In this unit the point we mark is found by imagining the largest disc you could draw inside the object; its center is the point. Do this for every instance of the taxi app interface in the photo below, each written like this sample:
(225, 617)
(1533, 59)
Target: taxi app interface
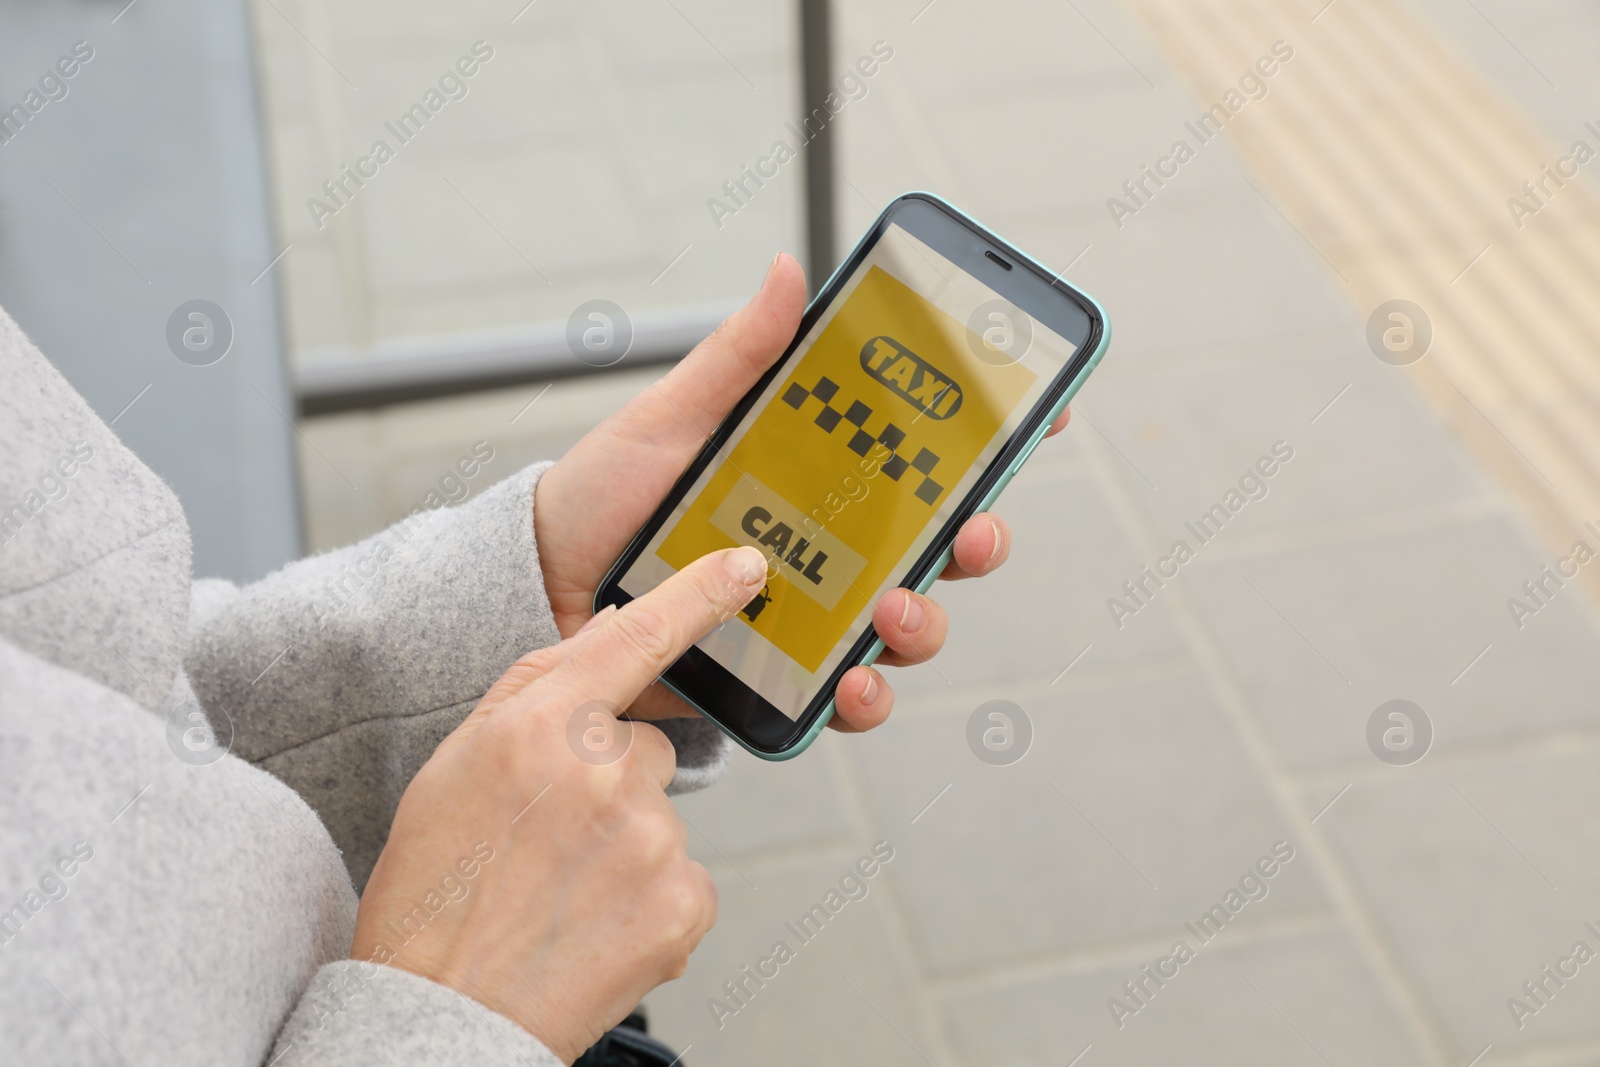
(850, 463)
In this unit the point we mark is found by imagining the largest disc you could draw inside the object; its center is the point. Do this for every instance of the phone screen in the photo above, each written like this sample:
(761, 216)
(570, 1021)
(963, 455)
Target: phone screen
(854, 457)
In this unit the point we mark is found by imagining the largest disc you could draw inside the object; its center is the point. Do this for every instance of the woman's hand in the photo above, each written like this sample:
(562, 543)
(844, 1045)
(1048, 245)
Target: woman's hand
(581, 898)
(600, 493)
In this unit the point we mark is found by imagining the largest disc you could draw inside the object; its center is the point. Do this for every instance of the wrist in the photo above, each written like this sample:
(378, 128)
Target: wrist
(486, 993)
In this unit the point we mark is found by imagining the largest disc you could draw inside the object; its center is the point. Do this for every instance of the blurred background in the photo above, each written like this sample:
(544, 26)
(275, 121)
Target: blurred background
(1357, 237)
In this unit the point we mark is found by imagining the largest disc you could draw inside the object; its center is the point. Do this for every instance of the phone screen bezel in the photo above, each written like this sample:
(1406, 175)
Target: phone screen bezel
(713, 689)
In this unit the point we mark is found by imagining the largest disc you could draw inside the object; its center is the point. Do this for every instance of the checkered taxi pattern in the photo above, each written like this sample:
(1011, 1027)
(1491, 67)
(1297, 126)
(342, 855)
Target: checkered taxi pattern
(891, 436)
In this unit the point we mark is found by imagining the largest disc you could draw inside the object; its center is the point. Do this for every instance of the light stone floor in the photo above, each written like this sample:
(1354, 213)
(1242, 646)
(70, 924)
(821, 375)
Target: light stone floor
(1228, 714)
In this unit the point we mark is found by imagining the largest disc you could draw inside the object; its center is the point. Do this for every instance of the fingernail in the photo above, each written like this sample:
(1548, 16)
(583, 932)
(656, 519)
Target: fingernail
(595, 620)
(746, 565)
(995, 551)
(912, 617)
(869, 695)
(770, 267)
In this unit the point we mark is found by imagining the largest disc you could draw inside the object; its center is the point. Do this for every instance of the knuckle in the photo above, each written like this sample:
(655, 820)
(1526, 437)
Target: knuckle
(649, 745)
(643, 832)
(596, 789)
(647, 633)
(529, 669)
(690, 899)
(540, 659)
(656, 836)
(602, 786)
(713, 899)
(699, 897)
(681, 907)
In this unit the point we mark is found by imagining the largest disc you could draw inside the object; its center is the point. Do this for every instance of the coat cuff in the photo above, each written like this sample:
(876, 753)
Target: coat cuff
(360, 1014)
(703, 753)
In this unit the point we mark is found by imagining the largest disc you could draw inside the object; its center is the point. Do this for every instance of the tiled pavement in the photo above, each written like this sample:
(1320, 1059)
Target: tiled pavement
(1227, 714)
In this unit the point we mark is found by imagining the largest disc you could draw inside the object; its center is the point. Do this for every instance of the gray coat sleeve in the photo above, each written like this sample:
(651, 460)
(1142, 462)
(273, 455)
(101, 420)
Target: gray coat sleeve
(339, 674)
(358, 1014)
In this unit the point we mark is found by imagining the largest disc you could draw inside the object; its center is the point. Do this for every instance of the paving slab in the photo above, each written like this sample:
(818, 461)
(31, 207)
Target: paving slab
(1293, 1000)
(1306, 441)
(1481, 877)
(1326, 634)
(843, 997)
(1133, 812)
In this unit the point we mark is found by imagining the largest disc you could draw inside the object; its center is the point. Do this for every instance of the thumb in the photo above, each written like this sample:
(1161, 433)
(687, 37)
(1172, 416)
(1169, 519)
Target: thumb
(706, 383)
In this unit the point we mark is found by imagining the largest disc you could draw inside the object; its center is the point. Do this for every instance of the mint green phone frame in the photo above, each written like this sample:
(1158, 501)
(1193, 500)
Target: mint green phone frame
(876, 648)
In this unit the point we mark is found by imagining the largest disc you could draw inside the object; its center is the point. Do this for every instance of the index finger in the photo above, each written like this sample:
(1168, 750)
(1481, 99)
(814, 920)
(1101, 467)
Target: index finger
(630, 649)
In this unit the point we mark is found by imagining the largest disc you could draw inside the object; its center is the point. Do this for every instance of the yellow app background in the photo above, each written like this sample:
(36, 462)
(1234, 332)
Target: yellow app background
(892, 399)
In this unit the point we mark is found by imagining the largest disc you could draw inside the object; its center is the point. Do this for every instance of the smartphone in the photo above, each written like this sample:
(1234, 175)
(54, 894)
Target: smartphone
(921, 378)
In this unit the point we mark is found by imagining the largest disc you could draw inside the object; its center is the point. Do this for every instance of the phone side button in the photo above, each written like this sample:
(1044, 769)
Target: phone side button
(1028, 451)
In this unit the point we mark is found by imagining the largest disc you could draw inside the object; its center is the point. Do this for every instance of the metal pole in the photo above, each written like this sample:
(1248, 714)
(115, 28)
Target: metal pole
(816, 64)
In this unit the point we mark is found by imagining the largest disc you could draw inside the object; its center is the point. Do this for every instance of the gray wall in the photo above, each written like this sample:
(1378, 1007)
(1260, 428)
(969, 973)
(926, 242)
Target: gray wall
(144, 188)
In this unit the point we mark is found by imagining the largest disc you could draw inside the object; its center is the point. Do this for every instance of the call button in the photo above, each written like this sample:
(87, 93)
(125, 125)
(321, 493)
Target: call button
(803, 553)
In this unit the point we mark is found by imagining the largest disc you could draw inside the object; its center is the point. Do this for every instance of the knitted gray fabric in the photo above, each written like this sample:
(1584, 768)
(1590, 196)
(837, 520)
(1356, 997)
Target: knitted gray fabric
(158, 909)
